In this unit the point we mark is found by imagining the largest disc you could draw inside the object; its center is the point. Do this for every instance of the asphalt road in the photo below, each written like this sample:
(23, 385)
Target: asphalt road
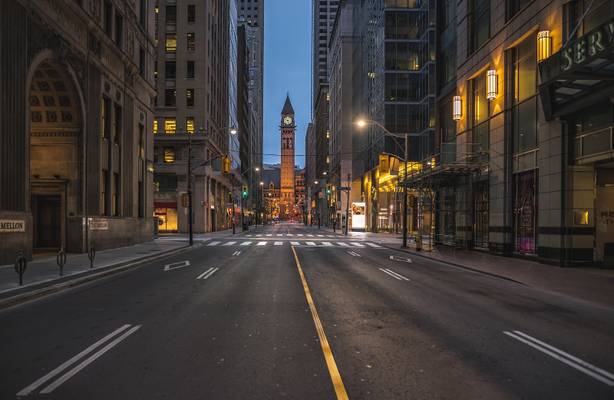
(289, 314)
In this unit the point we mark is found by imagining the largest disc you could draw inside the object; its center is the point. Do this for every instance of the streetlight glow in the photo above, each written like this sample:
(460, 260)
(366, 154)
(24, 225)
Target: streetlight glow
(257, 169)
(233, 131)
(361, 123)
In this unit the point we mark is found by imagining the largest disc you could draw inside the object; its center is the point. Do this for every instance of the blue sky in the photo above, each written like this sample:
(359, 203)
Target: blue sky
(287, 68)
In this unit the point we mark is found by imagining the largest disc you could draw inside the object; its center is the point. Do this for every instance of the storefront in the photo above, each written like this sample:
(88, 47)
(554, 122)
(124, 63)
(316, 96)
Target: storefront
(166, 213)
(525, 212)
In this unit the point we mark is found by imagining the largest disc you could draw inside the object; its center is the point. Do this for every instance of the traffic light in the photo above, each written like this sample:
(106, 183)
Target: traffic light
(328, 189)
(245, 192)
(226, 164)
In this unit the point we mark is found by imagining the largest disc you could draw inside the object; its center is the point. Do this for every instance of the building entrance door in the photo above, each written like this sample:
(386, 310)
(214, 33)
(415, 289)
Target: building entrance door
(604, 221)
(47, 211)
(480, 215)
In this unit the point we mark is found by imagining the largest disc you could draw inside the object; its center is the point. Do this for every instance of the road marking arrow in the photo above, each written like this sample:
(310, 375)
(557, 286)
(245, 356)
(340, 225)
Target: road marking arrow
(177, 265)
(401, 259)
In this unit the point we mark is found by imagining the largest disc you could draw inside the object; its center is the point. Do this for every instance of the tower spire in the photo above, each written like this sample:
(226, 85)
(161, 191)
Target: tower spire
(288, 109)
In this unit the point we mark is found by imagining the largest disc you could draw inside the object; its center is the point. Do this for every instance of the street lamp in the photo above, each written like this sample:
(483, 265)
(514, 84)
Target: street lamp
(361, 123)
(233, 130)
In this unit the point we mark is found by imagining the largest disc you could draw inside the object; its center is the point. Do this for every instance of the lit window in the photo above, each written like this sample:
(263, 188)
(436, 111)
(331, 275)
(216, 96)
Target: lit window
(171, 43)
(169, 155)
(327, 134)
(170, 126)
(155, 126)
(189, 125)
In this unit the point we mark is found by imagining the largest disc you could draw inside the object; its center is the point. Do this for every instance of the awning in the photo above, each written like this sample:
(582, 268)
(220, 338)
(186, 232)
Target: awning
(580, 74)
(442, 175)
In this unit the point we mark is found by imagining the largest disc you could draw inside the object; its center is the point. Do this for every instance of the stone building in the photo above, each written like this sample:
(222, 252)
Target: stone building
(288, 135)
(76, 90)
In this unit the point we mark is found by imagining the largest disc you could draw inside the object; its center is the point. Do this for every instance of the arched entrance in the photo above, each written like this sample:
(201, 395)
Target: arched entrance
(55, 156)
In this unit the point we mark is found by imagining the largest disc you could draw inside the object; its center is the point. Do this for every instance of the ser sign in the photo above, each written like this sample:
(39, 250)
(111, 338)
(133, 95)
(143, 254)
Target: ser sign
(598, 41)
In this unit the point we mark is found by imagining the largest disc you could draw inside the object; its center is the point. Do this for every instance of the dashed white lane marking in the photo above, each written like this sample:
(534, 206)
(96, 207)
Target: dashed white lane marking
(311, 244)
(566, 358)
(261, 244)
(354, 254)
(401, 259)
(89, 360)
(279, 243)
(236, 253)
(207, 274)
(295, 243)
(327, 244)
(177, 265)
(229, 243)
(372, 244)
(39, 382)
(246, 243)
(395, 275)
(356, 244)
(213, 243)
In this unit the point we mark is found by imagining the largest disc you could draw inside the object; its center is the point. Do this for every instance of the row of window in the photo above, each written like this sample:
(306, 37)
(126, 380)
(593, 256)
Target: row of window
(170, 98)
(170, 70)
(170, 125)
(170, 43)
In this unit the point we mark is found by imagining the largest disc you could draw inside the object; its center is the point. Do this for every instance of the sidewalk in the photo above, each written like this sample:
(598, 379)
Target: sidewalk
(43, 270)
(585, 283)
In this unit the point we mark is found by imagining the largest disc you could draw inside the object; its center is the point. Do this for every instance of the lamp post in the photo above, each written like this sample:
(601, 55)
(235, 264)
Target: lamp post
(361, 123)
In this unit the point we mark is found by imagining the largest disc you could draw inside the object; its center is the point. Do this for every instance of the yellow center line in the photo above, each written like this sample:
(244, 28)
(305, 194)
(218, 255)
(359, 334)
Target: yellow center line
(328, 353)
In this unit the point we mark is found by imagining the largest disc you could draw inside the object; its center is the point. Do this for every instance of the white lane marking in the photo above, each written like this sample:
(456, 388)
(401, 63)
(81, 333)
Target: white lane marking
(311, 244)
(177, 265)
(398, 275)
(269, 234)
(300, 235)
(259, 235)
(401, 259)
(236, 253)
(213, 243)
(354, 254)
(245, 235)
(356, 244)
(320, 235)
(89, 360)
(280, 234)
(208, 274)
(289, 234)
(30, 388)
(229, 243)
(246, 243)
(566, 358)
(279, 243)
(295, 243)
(327, 244)
(388, 273)
(261, 243)
(372, 244)
(343, 244)
(204, 273)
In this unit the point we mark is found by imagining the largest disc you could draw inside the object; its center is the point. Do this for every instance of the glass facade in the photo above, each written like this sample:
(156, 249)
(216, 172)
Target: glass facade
(524, 101)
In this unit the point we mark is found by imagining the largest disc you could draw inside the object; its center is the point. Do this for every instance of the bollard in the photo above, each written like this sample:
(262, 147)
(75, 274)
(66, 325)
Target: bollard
(91, 254)
(20, 266)
(61, 260)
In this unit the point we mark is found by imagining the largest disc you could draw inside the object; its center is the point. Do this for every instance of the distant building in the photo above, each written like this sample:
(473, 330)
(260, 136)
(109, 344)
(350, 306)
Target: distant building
(300, 194)
(288, 134)
(271, 190)
(75, 125)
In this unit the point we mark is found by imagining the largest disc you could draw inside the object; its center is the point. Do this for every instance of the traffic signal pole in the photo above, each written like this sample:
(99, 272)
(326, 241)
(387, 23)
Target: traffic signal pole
(190, 211)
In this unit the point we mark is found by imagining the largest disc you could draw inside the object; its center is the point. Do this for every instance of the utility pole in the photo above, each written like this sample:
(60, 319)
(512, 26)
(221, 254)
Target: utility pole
(190, 216)
(405, 198)
(347, 206)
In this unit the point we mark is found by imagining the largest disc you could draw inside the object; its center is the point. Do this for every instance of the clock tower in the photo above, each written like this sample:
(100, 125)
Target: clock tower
(288, 129)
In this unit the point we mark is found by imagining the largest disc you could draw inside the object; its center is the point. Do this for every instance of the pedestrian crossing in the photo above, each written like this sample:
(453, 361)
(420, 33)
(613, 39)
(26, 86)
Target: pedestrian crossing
(296, 243)
(294, 235)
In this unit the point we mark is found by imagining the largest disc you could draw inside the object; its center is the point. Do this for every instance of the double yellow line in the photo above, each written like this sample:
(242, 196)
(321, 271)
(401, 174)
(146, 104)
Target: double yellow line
(328, 353)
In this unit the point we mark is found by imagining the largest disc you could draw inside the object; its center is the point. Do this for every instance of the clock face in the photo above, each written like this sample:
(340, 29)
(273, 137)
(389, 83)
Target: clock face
(288, 120)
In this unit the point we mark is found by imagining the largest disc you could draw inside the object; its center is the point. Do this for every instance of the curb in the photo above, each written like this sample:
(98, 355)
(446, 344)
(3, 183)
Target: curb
(83, 277)
(457, 265)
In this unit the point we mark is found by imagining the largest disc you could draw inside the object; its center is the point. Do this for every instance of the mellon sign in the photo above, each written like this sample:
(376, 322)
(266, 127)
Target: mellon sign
(12, 226)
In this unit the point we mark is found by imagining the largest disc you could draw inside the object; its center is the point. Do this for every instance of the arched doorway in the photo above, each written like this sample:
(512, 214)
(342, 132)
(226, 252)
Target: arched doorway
(55, 156)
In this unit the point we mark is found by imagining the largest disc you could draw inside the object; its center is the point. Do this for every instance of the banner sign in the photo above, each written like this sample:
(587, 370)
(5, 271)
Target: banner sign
(12, 225)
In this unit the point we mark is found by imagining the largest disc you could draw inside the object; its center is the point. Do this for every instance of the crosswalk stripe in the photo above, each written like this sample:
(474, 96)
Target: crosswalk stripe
(310, 235)
(327, 243)
(269, 234)
(372, 244)
(229, 243)
(214, 243)
(279, 243)
(320, 235)
(300, 234)
(246, 243)
(249, 235)
(343, 244)
(289, 234)
(259, 235)
(261, 244)
(295, 243)
(311, 244)
(279, 234)
(357, 244)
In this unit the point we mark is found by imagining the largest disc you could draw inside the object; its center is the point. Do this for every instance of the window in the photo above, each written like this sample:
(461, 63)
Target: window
(169, 155)
(171, 18)
(142, 62)
(189, 97)
(191, 13)
(480, 117)
(600, 11)
(155, 126)
(116, 195)
(143, 13)
(170, 97)
(117, 126)
(170, 126)
(171, 43)
(479, 24)
(105, 115)
(513, 6)
(104, 184)
(191, 41)
(119, 30)
(189, 125)
(524, 101)
(107, 18)
(170, 70)
(189, 71)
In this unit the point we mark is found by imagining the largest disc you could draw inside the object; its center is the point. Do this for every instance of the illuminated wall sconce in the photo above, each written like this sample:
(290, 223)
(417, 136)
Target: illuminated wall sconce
(457, 108)
(544, 45)
(491, 84)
